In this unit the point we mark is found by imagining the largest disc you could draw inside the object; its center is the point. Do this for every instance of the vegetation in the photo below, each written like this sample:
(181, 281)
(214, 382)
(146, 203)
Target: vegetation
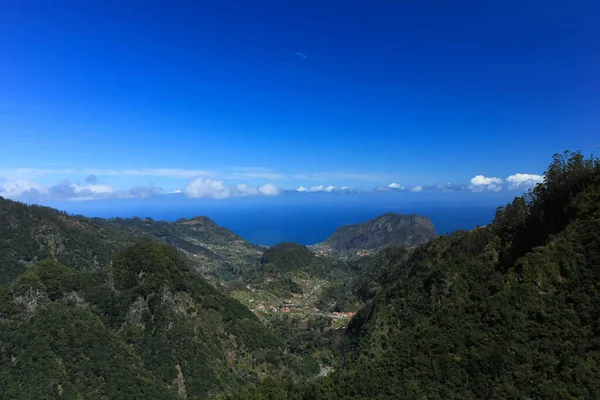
(216, 252)
(387, 230)
(503, 311)
(285, 257)
(283, 287)
(509, 310)
(146, 327)
(29, 234)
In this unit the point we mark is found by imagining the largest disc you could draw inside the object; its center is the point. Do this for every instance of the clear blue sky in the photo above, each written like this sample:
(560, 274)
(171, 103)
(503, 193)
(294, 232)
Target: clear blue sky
(99, 97)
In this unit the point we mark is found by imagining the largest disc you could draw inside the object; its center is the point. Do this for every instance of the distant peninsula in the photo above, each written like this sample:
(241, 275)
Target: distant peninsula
(389, 229)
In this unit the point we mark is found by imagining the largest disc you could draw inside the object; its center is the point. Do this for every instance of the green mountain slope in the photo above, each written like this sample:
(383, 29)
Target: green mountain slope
(147, 327)
(376, 234)
(285, 257)
(30, 233)
(509, 310)
(505, 311)
(216, 252)
(289, 273)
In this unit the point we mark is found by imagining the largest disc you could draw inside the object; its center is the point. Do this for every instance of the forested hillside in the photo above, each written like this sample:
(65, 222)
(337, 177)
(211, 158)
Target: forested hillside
(215, 252)
(509, 310)
(30, 233)
(369, 237)
(146, 327)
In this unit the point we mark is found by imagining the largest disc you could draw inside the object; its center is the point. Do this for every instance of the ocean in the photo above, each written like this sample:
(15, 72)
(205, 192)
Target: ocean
(314, 224)
(269, 221)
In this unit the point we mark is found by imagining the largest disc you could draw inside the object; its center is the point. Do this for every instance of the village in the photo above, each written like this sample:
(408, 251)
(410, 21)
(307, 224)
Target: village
(264, 303)
(324, 250)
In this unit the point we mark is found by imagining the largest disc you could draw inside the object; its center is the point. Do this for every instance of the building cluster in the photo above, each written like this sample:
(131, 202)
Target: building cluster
(340, 315)
(299, 303)
(362, 253)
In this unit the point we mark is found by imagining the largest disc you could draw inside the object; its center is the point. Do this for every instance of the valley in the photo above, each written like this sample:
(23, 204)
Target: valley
(265, 302)
(137, 308)
(299, 200)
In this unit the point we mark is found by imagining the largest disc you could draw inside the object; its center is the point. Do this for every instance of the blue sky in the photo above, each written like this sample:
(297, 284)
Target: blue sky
(221, 99)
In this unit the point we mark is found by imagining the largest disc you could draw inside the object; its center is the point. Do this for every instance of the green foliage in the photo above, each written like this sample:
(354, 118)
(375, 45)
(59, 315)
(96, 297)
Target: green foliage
(49, 277)
(337, 296)
(283, 287)
(67, 352)
(505, 311)
(509, 310)
(214, 251)
(286, 257)
(388, 229)
(147, 266)
(362, 278)
(147, 327)
(29, 234)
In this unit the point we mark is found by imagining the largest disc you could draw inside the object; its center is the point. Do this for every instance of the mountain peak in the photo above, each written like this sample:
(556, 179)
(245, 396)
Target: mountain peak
(387, 229)
(198, 220)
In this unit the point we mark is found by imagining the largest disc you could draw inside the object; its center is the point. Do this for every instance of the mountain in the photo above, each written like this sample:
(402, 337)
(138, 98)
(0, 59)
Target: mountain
(290, 273)
(509, 310)
(371, 236)
(30, 233)
(215, 252)
(147, 326)
(285, 257)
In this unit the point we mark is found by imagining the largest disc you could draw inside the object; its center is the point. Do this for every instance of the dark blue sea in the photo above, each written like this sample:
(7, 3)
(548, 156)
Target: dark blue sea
(306, 221)
(314, 224)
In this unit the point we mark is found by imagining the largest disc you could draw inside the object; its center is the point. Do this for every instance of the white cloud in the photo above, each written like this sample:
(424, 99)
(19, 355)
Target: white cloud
(396, 186)
(450, 187)
(203, 185)
(31, 191)
(208, 188)
(480, 183)
(522, 180)
(301, 55)
(140, 192)
(314, 189)
(269, 189)
(74, 192)
(95, 189)
(17, 189)
(217, 189)
(66, 190)
(243, 190)
(482, 180)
